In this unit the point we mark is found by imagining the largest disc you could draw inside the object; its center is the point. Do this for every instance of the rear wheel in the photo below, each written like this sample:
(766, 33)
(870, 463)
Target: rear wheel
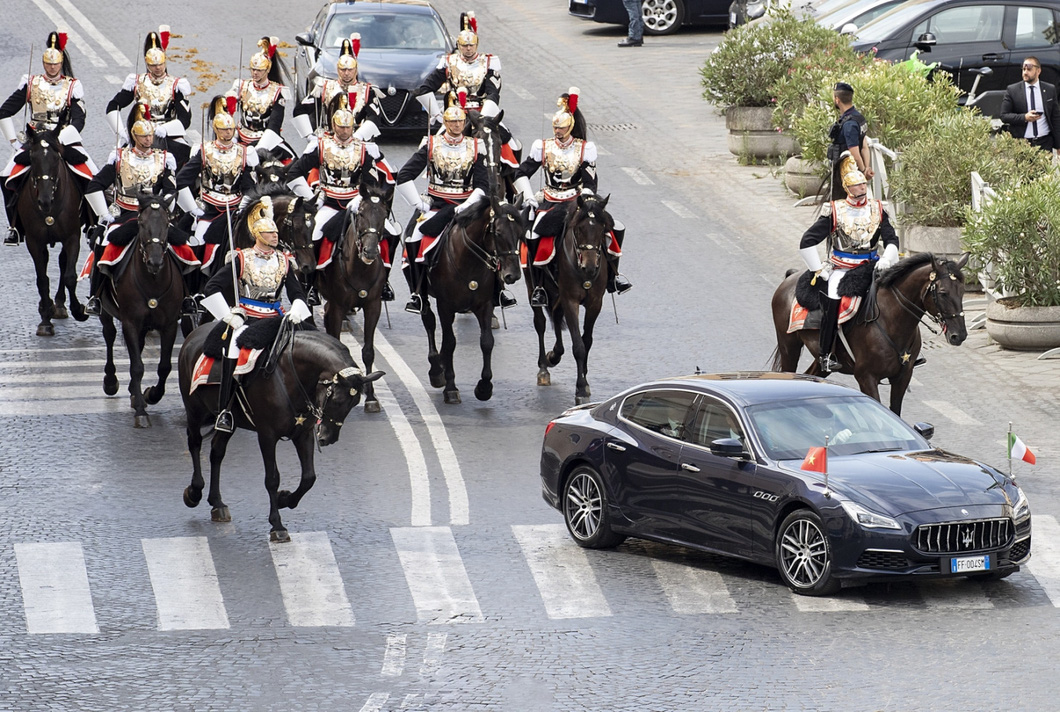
(663, 17)
(803, 556)
(585, 510)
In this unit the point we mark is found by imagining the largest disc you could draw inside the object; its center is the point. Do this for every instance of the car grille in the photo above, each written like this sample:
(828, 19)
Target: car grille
(1020, 550)
(401, 111)
(957, 537)
(885, 560)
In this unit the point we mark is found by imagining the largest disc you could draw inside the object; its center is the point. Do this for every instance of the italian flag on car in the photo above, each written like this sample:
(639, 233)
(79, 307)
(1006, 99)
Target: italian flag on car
(1019, 451)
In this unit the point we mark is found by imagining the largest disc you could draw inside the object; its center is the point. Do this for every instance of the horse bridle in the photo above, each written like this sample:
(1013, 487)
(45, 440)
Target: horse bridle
(932, 290)
(143, 245)
(580, 248)
(48, 179)
(491, 259)
(288, 223)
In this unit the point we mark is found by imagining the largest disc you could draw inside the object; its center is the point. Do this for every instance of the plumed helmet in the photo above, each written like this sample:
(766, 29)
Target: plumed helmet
(848, 169)
(155, 46)
(349, 51)
(260, 217)
(221, 110)
(262, 59)
(568, 114)
(341, 109)
(55, 48)
(455, 100)
(468, 29)
(142, 125)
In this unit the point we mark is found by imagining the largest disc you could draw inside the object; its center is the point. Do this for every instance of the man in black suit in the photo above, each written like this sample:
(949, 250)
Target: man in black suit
(1030, 108)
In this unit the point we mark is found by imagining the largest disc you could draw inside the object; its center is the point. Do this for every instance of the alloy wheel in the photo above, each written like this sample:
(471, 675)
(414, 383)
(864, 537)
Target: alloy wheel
(583, 506)
(660, 15)
(804, 553)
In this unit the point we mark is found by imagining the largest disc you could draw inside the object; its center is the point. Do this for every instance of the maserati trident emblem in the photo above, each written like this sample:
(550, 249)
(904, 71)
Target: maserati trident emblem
(967, 537)
(964, 512)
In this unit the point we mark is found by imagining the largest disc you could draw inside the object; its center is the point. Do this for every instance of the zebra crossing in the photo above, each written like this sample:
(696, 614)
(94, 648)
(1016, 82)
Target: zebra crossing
(569, 582)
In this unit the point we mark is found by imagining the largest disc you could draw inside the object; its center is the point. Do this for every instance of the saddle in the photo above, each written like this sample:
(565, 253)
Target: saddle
(262, 337)
(857, 294)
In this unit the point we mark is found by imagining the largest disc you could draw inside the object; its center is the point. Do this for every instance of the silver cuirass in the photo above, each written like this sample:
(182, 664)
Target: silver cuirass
(561, 165)
(138, 173)
(462, 73)
(262, 275)
(159, 96)
(450, 170)
(855, 226)
(47, 100)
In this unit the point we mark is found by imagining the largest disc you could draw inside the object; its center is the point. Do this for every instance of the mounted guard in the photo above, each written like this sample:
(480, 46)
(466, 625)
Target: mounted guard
(261, 102)
(56, 102)
(569, 162)
(166, 95)
(313, 113)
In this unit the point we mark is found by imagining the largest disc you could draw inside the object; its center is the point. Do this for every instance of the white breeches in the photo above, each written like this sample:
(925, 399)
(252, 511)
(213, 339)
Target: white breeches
(324, 213)
(231, 350)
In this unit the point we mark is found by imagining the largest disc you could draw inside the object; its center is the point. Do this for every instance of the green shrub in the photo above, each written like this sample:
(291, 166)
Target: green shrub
(810, 73)
(933, 177)
(1019, 233)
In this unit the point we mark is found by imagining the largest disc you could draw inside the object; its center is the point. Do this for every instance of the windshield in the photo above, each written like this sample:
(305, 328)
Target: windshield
(383, 31)
(852, 424)
(889, 23)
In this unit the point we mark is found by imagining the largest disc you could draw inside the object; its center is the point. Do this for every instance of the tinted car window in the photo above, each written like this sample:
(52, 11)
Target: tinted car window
(381, 31)
(1034, 25)
(867, 17)
(663, 412)
(958, 25)
(714, 421)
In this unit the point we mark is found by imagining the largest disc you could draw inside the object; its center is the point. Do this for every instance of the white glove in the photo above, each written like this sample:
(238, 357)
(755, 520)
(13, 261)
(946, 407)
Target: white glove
(299, 312)
(196, 212)
(366, 131)
(234, 319)
(476, 195)
(888, 259)
(106, 218)
(522, 185)
(425, 206)
(187, 203)
(842, 436)
(532, 202)
(826, 271)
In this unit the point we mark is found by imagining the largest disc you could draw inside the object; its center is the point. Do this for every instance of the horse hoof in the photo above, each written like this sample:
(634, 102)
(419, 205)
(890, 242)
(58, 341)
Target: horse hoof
(153, 395)
(142, 421)
(192, 497)
(220, 514)
(544, 378)
(494, 323)
(371, 406)
(437, 379)
(484, 390)
(59, 312)
(279, 536)
(110, 385)
(452, 397)
(552, 358)
(45, 330)
(581, 400)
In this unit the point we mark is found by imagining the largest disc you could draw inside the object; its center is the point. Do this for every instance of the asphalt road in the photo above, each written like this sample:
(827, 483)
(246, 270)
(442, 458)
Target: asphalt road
(426, 573)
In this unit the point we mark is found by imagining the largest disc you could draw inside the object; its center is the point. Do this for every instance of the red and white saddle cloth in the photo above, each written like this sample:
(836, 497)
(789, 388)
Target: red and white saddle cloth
(207, 370)
(848, 307)
(546, 251)
(327, 253)
(113, 255)
(81, 170)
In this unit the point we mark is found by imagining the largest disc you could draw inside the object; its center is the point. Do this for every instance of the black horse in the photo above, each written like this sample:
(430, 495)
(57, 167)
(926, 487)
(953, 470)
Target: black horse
(480, 248)
(576, 278)
(355, 278)
(146, 296)
(306, 398)
(50, 208)
(883, 345)
(501, 175)
(270, 169)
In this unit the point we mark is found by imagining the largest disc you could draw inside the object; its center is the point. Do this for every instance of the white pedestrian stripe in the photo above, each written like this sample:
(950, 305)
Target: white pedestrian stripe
(519, 92)
(952, 412)
(680, 210)
(183, 577)
(111, 79)
(828, 604)
(394, 655)
(310, 582)
(375, 702)
(690, 589)
(432, 657)
(75, 39)
(562, 572)
(437, 580)
(637, 175)
(120, 59)
(1045, 555)
(55, 592)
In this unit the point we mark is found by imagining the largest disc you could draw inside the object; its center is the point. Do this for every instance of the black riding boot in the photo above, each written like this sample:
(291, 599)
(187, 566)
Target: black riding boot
(13, 237)
(414, 276)
(829, 327)
(393, 243)
(93, 306)
(189, 306)
(538, 297)
(225, 421)
(312, 296)
(616, 281)
(501, 297)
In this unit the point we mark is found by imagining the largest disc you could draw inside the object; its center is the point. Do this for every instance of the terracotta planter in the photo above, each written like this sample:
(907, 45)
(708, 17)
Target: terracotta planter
(751, 133)
(803, 177)
(1023, 328)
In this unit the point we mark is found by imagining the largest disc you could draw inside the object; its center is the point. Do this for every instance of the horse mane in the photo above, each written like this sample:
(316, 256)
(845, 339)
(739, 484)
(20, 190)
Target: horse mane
(475, 212)
(326, 346)
(261, 189)
(894, 274)
(590, 202)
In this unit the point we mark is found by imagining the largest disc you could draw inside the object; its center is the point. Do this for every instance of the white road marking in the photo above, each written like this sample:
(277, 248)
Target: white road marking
(375, 702)
(79, 392)
(830, 604)
(77, 406)
(952, 412)
(55, 592)
(310, 583)
(600, 151)
(437, 580)
(111, 79)
(394, 655)
(520, 92)
(1045, 555)
(680, 210)
(184, 580)
(432, 656)
(561, 571)
(637, 175)
(454, 479)
(693, 590)
(409, 700)
(120, 59)
(65, 363)
(78, 41)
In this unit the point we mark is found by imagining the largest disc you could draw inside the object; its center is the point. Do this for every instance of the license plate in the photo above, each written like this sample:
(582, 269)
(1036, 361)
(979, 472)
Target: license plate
(968, 564)
(732, 19)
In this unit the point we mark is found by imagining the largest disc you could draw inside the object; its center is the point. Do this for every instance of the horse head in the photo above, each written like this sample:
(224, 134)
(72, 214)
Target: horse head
(296, 235)
(153, 237)
(589, 227)
(487, 130)
(270, 169)
(509, 225)
(946, 291)
(336, 397)
(369, 222)
(46, 164)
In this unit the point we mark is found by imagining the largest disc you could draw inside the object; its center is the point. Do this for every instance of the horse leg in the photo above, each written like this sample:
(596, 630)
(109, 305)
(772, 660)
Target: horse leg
(451, 392)
(193, 492)
(134, 344)
(900, 384)
(333, 318)
(267, 444)
(371, 321)
(165, 364)
(218, 446)
(429, 324)
(484, 388)
(39, 253)
(303, 444)
(869, 384)
(110, 332)
(556, 354)
(59, 300)
(789, 350)
(544, 378)
(581, 340)
(69, 278)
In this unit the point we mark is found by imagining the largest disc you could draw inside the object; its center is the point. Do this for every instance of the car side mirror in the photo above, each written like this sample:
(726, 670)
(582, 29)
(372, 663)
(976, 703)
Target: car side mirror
(848, 29)
(925, 42)
(305, 39)
(729, 447)
(925, 430)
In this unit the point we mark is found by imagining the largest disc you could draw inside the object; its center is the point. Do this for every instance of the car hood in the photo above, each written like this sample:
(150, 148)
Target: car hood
(402, 69)
(899, 483)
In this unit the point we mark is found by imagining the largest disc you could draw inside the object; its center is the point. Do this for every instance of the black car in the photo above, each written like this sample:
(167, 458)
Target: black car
(964, 35)
(401, 43)
(715, 462)
(661, 17)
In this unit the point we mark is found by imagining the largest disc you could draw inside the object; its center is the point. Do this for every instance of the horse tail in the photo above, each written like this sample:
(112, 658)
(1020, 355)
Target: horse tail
(790, 272)
(775, 356)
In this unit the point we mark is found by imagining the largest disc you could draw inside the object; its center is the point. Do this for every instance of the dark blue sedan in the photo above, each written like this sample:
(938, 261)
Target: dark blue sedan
(661, 17)
(715, 462)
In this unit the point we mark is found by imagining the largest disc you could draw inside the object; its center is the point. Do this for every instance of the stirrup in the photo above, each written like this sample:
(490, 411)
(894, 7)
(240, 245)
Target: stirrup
(414, 305)
(920, 361)
(538, 298)
(620, 284)
(388, 292)
(225, 423)
(189, 307)
(828, 363)
(93, 307)
(312, 298)
(506, 299)
(13, 238)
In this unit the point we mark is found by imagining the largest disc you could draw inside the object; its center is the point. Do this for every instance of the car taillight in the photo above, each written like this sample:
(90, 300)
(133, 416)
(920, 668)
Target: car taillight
(549, 426)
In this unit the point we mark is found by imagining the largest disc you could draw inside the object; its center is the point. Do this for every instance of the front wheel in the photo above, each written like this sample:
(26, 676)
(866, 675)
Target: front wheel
(803, 556)
(585, 510)
(663, 17)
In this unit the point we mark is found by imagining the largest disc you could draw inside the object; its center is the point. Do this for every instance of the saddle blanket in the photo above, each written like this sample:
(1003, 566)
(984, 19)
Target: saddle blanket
(800, 315)
(113, 255)
(546, 251)
(207, 371)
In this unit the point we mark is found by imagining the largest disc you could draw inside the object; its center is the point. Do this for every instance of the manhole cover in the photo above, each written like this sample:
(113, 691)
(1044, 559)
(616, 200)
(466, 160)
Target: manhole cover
(612, 127)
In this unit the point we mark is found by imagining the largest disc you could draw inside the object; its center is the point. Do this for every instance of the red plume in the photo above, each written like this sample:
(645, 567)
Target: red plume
(352, 97)
(163, 36)
(572, 99)
(272, 47)
(62, 41)
(472, 22)
(461, 96)
(355, 42)
(230, 104)
(145, 111)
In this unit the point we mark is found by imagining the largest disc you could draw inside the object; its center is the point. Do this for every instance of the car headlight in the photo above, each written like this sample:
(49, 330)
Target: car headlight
(867, 519)
(1022, 509)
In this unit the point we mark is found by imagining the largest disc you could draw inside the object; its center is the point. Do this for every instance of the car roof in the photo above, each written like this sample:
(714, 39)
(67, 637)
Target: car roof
(397, 6)
(753, 387)
(897, 17)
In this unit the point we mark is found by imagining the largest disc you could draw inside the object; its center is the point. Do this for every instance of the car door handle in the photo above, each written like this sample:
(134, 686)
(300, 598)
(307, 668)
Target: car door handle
(616, 446)
(991, 57)
(690, 468)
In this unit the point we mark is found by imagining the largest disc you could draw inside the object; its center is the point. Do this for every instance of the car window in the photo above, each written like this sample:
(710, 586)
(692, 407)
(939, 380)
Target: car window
(382, 31)
(867, 17)
(662, 412)
(958, 25)
(714, 421)
(1034, 27)
(851, 424)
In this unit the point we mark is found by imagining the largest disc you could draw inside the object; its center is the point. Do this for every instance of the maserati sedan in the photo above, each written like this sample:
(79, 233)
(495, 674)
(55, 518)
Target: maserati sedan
(787, 470)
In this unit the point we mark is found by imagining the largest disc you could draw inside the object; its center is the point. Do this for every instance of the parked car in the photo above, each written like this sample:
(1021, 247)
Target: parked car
(852, 14)
(715, 462)
(401, 43)
(661, 17)
(969, 34)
